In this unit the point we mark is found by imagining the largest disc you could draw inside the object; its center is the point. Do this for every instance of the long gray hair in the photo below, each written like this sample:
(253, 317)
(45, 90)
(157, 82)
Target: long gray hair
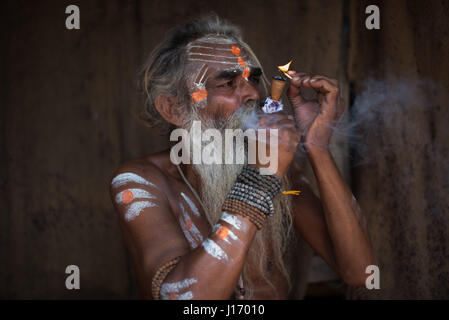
(165, 70)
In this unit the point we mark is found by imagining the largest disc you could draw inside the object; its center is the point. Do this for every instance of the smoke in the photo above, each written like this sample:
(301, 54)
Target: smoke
(388, 114)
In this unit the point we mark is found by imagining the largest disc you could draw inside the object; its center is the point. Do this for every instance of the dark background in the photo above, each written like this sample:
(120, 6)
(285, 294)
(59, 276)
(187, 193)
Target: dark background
(67, 99)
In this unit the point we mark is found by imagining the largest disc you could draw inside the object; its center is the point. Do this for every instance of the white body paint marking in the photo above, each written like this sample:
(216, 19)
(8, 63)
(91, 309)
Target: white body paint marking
(230, 234)
(186, 296)
(128, 177)
(137, 194)
(176, 287)
(136, 207)
(187, 234)
(200, 84)
(213, 61)
(191, 204)
(193, 231)
(233, 221)
(214, 250)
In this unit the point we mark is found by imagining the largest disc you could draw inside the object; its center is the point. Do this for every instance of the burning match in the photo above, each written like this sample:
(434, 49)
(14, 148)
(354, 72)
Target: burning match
(285, 68)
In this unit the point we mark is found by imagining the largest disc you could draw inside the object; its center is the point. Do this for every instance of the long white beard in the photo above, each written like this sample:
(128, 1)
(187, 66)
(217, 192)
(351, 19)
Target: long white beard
(216, 182)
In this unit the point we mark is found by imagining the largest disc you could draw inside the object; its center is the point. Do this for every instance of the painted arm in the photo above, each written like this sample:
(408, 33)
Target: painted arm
(153, 236)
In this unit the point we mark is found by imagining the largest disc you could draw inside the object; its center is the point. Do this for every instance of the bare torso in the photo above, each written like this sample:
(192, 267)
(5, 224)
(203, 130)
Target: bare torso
(173, 188)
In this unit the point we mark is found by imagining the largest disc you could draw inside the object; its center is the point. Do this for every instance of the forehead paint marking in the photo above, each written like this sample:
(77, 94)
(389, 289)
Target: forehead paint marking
(171, 290)
(233, 221)
(189, 227)
(199, 95)
(241, 62)
(128, 177)
(235, 50)
(191, 204)
(199, 83)
(214, 250)
(194, 54)
(206, 47)
(136, 207)
(213, 61)
(246, 73)
(128, 195)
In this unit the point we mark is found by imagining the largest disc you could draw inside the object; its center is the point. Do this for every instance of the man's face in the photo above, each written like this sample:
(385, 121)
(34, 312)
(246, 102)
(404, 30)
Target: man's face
(223, 77)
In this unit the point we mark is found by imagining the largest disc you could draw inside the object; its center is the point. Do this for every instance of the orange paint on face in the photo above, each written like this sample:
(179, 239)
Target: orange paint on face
(222, 232)
(127, 196)
(245, 73)
(235, 51)
(199, 95)
(241, 62)
(188, 224)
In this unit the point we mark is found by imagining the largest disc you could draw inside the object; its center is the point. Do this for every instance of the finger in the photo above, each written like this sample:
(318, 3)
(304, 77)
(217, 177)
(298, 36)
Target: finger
(294, 90)
(323, 85)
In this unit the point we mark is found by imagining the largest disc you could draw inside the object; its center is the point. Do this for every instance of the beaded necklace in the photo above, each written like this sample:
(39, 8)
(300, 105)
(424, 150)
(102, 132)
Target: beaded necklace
(240, 292)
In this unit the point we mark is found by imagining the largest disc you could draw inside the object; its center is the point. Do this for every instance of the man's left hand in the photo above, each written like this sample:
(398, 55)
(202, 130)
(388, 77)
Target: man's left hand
(315, 118)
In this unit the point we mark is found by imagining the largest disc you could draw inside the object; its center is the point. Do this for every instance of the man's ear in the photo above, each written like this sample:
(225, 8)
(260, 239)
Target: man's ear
(168, 108)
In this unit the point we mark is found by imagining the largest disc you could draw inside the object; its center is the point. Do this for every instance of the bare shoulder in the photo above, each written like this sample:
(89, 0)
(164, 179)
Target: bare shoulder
(148, 170)
(140, 192)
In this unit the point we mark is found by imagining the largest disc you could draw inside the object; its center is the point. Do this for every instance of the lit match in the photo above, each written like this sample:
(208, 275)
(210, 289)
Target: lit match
(285, 68)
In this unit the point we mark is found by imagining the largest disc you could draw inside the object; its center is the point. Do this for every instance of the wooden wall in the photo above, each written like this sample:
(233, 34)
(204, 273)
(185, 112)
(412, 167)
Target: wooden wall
(66, 123)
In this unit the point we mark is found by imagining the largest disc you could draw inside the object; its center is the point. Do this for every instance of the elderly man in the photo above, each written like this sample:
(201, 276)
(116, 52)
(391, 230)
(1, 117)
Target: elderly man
(226, 231)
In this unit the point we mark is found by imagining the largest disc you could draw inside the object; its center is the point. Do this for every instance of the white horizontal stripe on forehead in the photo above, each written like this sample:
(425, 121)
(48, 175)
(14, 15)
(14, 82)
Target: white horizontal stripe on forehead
(137, 194)
(214, 61)
(135, 208)
(213, 55)
(128, 177)
(214, 40)
(207, 47)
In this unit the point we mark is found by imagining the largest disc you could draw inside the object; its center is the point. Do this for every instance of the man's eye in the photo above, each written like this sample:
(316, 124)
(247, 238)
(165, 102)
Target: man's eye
(229, 83)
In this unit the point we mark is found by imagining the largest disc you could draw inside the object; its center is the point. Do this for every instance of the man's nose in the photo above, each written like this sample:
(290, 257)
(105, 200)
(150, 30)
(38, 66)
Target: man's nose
(248, 91)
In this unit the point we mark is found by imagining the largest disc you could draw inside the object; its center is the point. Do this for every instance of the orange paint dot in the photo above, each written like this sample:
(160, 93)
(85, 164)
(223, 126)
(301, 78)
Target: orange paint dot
(188, 224)
(235, 51)
(241, 62)
(222, 232)
(199, 95)
(127, 196)
(245, 73)
(173, 296)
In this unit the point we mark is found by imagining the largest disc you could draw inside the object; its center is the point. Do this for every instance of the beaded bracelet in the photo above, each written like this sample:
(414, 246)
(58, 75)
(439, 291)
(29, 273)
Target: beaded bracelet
(245, 210)
(160, 276)
(255, 189)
